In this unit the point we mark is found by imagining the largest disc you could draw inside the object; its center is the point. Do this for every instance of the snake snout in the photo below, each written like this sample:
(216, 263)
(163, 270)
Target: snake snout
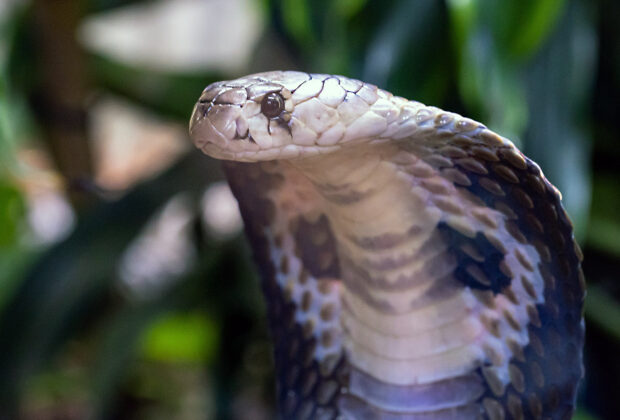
(218, 125)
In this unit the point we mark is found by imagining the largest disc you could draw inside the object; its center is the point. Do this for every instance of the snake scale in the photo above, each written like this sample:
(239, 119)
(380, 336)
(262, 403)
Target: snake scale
(416, 265)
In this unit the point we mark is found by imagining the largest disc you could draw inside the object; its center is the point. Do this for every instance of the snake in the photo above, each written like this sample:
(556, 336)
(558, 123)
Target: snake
(414, 263)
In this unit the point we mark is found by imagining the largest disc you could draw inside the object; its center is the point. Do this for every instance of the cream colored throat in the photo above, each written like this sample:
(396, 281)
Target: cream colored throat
(396, 328)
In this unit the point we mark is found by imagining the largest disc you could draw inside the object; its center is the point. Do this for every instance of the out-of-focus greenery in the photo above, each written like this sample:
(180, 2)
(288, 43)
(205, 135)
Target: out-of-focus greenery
(73, 344)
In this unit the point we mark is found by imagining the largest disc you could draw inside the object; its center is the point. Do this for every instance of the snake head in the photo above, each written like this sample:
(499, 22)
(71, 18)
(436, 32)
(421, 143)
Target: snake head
(287, 115)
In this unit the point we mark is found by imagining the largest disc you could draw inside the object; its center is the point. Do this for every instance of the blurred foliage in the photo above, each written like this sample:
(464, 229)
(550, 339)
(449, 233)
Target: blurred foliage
(169, 94)
(11, 212)
(74, 343)
(181, 338)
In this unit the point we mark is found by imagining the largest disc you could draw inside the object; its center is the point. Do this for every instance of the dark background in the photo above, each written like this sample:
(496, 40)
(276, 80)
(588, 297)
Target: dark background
(125, 295)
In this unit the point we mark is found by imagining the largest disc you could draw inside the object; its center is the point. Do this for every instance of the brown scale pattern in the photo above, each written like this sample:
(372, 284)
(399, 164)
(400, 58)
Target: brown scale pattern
(544, 375)
(306, 389)
(316, 247)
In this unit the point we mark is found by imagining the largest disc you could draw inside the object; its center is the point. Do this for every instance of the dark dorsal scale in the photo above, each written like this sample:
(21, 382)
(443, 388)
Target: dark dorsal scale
(544, 375)
(478, 260)
(316, 247)
(300, 378)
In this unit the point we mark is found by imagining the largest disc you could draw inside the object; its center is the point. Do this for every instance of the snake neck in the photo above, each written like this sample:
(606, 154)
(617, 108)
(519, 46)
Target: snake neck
(375, 209)
(369, 203)
(404, 324)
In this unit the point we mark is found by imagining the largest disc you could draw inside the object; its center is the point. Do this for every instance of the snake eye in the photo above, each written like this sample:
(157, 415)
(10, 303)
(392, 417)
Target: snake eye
(272, 105)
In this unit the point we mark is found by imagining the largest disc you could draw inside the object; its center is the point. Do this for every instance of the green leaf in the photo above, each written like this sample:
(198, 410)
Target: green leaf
(188, 338)
(488, 80)
(462, 20)
(582, 414)
(14, 261)
(348, 8)
(604, 235)
(402, 53)
(12, 109)
(604, 225)
(530, 33)
(491, 88)
(559, 79)
(519, 27)
(297, 20)
(603, 310)
(12, 212)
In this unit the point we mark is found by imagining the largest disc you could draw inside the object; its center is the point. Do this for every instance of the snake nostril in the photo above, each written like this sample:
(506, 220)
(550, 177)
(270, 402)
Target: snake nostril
(201, 109)
(199, 113)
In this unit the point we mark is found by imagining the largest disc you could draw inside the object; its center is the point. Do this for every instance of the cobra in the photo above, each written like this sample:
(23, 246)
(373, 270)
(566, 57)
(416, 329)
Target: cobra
(415, 264)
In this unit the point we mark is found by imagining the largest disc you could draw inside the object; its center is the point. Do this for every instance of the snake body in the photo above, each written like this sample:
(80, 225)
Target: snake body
(416, 265)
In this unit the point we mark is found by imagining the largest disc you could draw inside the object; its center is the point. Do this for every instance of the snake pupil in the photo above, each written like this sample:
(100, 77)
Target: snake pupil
(272, 105)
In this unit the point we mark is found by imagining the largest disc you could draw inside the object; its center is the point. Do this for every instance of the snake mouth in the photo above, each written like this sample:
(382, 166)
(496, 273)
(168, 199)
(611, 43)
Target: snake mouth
(289, 151)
